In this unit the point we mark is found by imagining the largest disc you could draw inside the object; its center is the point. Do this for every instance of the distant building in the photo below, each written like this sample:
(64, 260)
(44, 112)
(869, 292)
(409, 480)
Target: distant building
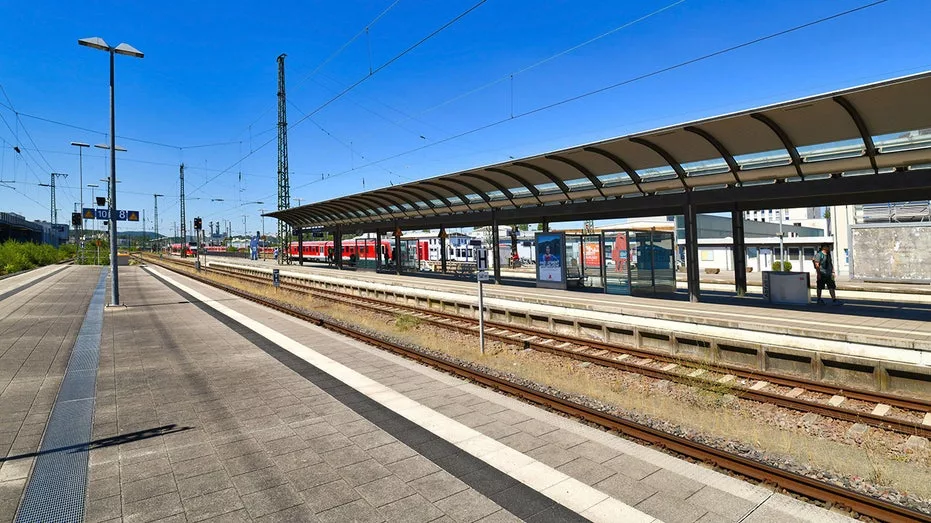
(15, 227)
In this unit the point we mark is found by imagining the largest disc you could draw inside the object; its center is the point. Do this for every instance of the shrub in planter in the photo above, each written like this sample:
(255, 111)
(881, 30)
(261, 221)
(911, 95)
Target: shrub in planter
(709, 270)
(780, 266)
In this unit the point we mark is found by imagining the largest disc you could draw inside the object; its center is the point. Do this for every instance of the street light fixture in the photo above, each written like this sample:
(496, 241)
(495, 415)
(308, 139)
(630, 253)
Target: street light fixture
(119, 148)
(127, 50)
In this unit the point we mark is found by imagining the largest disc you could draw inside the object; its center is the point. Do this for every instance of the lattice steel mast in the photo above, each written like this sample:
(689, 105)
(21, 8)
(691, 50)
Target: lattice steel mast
(284, 186)
(54, 204)
(183, 218)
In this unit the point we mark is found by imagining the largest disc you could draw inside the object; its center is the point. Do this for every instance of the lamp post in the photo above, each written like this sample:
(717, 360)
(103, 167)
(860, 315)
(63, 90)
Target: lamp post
(128, 50)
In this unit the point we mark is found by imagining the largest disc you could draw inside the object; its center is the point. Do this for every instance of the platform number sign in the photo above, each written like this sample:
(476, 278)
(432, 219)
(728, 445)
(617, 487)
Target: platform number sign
(481, 259)
(104, 214)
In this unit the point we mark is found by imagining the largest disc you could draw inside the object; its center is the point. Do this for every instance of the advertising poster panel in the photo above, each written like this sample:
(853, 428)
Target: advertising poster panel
(591, 252)
(619, 252)
(551, 270)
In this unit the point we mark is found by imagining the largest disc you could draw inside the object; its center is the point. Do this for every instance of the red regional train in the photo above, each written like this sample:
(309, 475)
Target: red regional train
(322, 251)
(175, 248)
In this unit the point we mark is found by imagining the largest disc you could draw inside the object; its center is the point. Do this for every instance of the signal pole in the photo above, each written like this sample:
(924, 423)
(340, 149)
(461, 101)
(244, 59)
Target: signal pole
(157, 239)
(284, 186)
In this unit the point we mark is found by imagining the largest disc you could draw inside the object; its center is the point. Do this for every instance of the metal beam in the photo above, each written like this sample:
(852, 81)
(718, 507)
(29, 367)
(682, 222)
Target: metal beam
(725, 154)
(456, 192)
(406, 190)
(861, 126)
(404, 197)
(676, 166)
(480, 193)
(372, 200)
(332, 215)
(784, 138)
(504, 190)
(632, 174)
(430, 192)
(519, 179)
(582, 169)
(550, 176)
(340, 210)
(346, 207)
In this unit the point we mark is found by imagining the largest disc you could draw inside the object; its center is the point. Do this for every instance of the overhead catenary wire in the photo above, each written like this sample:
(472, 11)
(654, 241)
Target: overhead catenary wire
(628, 81)
(510, 76)
(354, 85)
(323, 64)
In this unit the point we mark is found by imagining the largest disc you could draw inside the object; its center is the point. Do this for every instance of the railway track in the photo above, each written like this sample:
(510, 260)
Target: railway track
(880, 410)
(802, 485)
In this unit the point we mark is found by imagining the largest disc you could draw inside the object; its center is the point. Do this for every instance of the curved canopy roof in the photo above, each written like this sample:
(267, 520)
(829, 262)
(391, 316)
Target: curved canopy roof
(867, 130)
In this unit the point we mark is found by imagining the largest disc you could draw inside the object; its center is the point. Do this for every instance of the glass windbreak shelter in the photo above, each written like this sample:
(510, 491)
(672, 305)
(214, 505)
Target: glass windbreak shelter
(409, 261)
(652, 262)
(365, 252)
(584, 261)
(622, 262)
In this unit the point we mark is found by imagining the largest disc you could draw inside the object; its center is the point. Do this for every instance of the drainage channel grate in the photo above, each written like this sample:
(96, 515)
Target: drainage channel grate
(58, 484)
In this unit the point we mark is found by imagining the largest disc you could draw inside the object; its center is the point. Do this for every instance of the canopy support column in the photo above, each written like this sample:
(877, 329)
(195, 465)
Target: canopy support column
(338, 247)
(691, 252)
(740, 251)
(397, 249)
(300, 247)
(377, 249)
(443, 248)
(546, 225)
(495, 257)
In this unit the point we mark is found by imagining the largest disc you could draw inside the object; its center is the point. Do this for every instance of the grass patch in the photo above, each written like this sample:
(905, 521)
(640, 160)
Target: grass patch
(18, 256)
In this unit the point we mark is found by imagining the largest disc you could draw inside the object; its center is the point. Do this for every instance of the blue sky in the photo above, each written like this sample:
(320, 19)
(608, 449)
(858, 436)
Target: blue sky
(205, 93)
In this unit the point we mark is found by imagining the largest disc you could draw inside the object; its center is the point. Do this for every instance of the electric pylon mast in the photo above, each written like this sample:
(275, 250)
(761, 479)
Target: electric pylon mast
(284, 186)
(183, 218)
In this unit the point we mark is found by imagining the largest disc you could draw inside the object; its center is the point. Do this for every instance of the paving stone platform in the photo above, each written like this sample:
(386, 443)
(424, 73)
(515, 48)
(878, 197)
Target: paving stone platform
(198, 419)
(38, 327)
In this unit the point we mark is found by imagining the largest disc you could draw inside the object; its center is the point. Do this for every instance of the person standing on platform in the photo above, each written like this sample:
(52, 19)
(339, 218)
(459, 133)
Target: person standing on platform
(254, 246)
(824, 265)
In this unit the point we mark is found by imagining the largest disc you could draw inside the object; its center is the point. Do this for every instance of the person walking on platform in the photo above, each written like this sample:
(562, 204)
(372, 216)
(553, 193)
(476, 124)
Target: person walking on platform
(824, 265)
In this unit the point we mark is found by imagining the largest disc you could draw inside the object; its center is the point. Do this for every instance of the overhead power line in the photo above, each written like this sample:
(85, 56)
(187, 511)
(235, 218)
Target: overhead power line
(330, 58)
(352, 86)
(614, 86)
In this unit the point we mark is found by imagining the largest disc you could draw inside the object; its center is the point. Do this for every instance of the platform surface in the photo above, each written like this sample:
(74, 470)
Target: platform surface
(211, 408)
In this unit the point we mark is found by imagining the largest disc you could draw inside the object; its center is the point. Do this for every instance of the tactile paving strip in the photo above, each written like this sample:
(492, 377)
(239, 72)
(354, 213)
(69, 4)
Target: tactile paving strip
(58, 483)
